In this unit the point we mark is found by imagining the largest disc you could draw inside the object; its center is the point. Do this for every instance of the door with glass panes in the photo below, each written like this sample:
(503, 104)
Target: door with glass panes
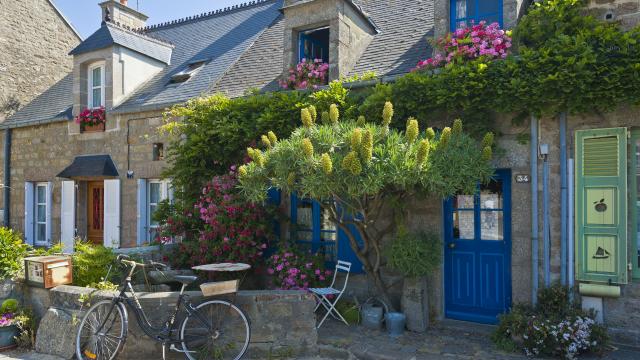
(477, 263)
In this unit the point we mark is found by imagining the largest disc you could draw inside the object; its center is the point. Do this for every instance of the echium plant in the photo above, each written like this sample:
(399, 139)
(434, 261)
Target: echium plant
(358, 169)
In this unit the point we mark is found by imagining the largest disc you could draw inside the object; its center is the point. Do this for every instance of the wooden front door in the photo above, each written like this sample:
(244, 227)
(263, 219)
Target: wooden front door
(95, 211)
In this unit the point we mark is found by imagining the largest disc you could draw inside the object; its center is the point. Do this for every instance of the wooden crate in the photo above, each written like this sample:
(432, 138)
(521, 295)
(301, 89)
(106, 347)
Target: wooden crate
(48, 271)
(219, 288)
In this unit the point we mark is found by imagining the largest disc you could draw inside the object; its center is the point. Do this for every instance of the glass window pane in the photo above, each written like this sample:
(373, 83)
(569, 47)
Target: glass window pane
(328, 236)
(491, 195)
(42, 191)
(152, 211)
(304, 217)
(303, 236)
(326, 222)
(41, 211)
(154, 193)
(96, 76)
(463, 202)
(41, 230)
(491, 225)
(461, 9)
(463, 224)
(96, 99)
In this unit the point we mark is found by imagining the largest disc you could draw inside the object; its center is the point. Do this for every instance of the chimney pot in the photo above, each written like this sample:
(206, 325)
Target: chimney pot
(123, 2)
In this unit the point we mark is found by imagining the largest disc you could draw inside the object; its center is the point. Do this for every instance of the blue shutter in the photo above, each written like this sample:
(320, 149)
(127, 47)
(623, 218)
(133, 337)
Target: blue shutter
(301, 40)
(49, 206)
(28, 212)
(142, 232)
(345, 251)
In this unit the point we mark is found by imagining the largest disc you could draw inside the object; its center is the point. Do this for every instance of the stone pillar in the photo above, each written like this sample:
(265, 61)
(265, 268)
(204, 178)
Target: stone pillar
(415, 304)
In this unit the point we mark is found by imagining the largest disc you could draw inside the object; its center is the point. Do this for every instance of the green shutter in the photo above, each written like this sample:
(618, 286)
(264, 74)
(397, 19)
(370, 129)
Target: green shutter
(601, 205)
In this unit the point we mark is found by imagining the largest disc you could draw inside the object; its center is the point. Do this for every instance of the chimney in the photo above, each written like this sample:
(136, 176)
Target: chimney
(118, 12)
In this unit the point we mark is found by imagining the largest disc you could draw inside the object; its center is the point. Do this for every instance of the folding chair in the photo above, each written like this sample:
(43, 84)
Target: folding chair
(322, 294)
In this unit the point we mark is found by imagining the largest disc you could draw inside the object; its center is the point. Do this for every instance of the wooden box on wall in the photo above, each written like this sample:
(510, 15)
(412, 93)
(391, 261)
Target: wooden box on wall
(48, 271)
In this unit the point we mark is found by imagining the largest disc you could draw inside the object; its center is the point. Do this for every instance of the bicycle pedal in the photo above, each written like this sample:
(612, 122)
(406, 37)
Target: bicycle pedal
(174, 348)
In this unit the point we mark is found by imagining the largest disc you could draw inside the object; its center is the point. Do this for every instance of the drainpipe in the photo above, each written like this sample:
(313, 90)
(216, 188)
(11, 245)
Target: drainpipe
(546, 246)
(7, 177)
(570, 228)
(534, 209)
(563, 198)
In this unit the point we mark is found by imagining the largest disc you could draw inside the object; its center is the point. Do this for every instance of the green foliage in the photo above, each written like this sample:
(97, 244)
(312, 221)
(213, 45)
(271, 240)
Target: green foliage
(9, 306)
(26, 323)
(12, 252)
(415, 254)
(91, 263)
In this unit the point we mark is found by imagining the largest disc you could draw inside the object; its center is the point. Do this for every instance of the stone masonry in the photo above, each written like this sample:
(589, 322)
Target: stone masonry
(32, 57)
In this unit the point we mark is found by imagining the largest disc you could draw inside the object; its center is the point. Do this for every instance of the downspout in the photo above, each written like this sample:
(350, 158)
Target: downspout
(563, 198)
(570, 228)
(546, 247)
(534, 209)
(7, 177)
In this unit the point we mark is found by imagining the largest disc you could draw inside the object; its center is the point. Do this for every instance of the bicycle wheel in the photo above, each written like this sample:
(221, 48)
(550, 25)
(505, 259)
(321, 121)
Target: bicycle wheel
(218, 330)
(101, 334)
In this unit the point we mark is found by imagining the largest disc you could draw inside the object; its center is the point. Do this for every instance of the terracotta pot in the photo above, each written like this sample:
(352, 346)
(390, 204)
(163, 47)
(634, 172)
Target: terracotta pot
(93, 128)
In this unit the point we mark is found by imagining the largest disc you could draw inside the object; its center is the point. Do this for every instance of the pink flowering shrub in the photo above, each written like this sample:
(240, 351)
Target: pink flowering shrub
(480, 41)
(230, 229)
(91, 117)
(306, 75)
(291, 269)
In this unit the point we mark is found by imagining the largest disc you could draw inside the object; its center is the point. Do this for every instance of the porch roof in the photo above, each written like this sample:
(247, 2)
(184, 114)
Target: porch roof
(90, 166)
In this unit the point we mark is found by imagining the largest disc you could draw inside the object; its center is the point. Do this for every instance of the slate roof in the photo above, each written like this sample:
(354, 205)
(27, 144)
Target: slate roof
(110, 34)
(243, 49)
(85, 166)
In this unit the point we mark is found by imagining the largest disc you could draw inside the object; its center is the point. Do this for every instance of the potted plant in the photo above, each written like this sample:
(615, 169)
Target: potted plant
(8, 326)
(92, 120)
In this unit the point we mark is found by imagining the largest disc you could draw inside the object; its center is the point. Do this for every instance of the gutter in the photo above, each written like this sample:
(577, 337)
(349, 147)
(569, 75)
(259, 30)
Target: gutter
(534, 209)
(563, 198)
(7, 177)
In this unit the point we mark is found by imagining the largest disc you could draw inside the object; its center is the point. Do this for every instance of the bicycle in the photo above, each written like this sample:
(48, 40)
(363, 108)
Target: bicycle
(215, 329)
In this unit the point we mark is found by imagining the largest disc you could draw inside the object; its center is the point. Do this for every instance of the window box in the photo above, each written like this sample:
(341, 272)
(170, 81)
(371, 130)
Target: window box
(92, 120)
(93, 128)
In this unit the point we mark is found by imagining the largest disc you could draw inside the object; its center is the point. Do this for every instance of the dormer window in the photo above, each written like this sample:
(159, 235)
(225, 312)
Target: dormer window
(467, 12)
(314, 44)
(96, 86)
(187, 72)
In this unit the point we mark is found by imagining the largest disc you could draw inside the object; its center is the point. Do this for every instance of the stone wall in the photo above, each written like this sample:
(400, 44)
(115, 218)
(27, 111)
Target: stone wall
(128, 139)
(282, 322)
(34, 43)
(626, 12)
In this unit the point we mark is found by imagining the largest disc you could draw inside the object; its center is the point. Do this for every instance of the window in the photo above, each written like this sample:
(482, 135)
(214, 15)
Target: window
(96, 86)
(157, 191)
(467, 12)
(158, 151)
(187, 72)
(314, 44)
(312, 228)
(635, 202)
(40, 211)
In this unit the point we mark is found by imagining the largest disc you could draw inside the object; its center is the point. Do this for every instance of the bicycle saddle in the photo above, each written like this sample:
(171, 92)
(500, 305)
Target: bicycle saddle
(184, 279)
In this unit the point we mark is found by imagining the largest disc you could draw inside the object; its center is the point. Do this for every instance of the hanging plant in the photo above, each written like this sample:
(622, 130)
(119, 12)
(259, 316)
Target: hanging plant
(307, 74)
(91, 117)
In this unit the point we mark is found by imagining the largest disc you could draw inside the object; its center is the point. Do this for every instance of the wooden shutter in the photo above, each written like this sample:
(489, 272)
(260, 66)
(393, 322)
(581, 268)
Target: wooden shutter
(67, 216)
(49, 207)
(601, 205)
(142, 231)
(28, 212)
(112, 213)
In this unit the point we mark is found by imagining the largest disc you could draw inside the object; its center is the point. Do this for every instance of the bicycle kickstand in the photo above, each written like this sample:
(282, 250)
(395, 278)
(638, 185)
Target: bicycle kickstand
(164, 351)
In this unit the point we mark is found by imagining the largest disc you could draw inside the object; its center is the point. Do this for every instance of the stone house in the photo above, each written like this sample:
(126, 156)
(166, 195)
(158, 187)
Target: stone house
(104, 185)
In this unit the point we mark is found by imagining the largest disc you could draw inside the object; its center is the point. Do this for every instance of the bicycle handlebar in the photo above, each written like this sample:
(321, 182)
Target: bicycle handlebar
(126, 260)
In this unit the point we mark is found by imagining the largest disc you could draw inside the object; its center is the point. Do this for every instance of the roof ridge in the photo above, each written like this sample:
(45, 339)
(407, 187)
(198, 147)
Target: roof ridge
(222, 11)
(139, 32)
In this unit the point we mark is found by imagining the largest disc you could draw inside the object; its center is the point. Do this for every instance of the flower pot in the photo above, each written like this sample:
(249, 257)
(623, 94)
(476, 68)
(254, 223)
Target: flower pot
(395, 323)
(7, 336)
(93, 128)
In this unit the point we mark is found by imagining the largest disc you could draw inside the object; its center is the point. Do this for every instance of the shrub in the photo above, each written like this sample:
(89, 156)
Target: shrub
(9, 306)
(12, 252)
(291, 269)
(307, 74)
(414, 254)
(555, 327)
(91, 263)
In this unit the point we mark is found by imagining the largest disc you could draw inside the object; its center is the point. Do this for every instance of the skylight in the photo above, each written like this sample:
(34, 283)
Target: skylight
(186, 73)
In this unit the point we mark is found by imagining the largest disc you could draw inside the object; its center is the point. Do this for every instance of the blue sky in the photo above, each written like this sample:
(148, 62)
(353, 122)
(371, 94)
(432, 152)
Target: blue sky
(85, 14)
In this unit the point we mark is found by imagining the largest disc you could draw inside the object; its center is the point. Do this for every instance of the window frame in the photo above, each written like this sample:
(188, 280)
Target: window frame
(454, 20)
(165, 193)
(319, 242)
(633, 173)
(36, 204)
(91, 87)
(302, 33)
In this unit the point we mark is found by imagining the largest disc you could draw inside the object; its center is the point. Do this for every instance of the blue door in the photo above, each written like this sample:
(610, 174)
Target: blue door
(477, 264)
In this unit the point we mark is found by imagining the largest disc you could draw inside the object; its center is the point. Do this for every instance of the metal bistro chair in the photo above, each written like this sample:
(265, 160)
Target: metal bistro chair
(322, 294)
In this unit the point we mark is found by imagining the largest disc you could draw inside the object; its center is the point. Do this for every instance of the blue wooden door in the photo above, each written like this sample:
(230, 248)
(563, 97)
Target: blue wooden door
(477, 264)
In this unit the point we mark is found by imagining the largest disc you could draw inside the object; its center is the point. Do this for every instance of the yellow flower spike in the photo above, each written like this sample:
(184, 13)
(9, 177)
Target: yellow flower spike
(251, 153)
(387, 113)
(412, 130)
(487, 153)
(430, 133)
(314, 113)
(305, 115)
(488, 139)
(356, 139)
(361, 121)
(366, 148)
(327, 165)
(334, 113)
(351, 163)
(307, 147)
(258, 157)
(291, 178)
(457, 126)
(265, 141)
(482, 67)
(325, 117)
(445, 136)
(242, 171)
(423, 151)
(272, 138)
